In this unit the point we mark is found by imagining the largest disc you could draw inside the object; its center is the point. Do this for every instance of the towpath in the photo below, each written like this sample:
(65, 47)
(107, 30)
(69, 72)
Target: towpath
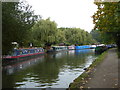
(105, 75)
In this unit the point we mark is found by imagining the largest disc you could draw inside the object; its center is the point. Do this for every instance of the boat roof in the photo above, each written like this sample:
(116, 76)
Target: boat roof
(27, 48)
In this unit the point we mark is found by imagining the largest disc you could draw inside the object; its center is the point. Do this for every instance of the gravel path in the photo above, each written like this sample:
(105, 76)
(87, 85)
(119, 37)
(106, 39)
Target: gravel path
(106, 73)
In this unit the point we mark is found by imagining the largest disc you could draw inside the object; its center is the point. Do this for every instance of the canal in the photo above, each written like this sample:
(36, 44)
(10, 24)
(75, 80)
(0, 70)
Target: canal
(52, 70)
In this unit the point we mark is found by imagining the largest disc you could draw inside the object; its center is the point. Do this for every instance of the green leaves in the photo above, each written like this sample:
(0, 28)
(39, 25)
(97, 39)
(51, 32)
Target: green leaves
(17, 19)
(44, 31)
(76, 36)
(106, 20)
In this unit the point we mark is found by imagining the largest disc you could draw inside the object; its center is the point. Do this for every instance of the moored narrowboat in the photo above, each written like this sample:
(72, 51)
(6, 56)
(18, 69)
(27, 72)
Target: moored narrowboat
(82, 47)
(24, 52)
(100, 49)
(92, 46)
(71, 47)
(59, 48)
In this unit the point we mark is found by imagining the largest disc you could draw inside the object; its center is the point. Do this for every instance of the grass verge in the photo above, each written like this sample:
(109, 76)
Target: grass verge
(82, 79)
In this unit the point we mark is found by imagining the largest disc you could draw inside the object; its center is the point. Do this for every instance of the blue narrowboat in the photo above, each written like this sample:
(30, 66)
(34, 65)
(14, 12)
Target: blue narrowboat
(83, 47)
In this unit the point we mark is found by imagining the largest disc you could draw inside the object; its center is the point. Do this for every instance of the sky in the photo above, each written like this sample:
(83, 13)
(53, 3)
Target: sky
(66, 13)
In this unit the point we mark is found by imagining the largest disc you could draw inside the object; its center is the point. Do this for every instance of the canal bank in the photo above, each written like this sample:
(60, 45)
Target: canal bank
(103, 73)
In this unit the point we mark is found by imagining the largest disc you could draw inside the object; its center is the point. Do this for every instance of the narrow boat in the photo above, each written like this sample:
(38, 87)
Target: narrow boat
(24, 52)
(100, 49)
(92, 46)
(59, 48)
(82, 47)
(71, 47)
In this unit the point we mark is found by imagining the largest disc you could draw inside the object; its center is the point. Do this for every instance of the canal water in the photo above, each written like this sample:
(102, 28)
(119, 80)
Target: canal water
(52, 70)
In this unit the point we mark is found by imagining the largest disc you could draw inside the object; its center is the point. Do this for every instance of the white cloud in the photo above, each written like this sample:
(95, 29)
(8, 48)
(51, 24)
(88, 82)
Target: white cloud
(66, 13)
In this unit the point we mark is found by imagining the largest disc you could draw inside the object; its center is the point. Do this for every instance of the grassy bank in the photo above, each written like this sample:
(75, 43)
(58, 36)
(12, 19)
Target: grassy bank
(82, 79)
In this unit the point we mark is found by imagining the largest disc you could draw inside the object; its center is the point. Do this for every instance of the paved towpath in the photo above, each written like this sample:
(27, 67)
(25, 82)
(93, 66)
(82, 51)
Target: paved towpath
(106, 73)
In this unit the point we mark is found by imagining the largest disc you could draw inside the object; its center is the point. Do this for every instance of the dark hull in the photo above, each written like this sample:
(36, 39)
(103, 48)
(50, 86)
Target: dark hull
(7, 61)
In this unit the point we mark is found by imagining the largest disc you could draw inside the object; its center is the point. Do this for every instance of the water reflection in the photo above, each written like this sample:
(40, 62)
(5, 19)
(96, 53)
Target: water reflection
(10, 69)
(54, 70)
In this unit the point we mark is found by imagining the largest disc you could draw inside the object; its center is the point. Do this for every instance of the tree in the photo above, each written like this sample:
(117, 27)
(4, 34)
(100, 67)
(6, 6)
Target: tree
(96, 35)
(60, 36)
(77, 36)
(44, 31)
(89, 39)
(70, 35)
(106, 20)
(17, 19)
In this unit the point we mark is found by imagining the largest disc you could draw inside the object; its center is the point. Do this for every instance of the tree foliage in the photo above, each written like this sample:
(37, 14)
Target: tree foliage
(76, 36)
(107, 21)
(44, 31)
(96, 36)
(60, 36)
(17, 19)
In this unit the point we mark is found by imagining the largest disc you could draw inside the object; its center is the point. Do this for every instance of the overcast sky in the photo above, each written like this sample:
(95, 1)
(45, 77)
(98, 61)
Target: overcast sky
(66, 13)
